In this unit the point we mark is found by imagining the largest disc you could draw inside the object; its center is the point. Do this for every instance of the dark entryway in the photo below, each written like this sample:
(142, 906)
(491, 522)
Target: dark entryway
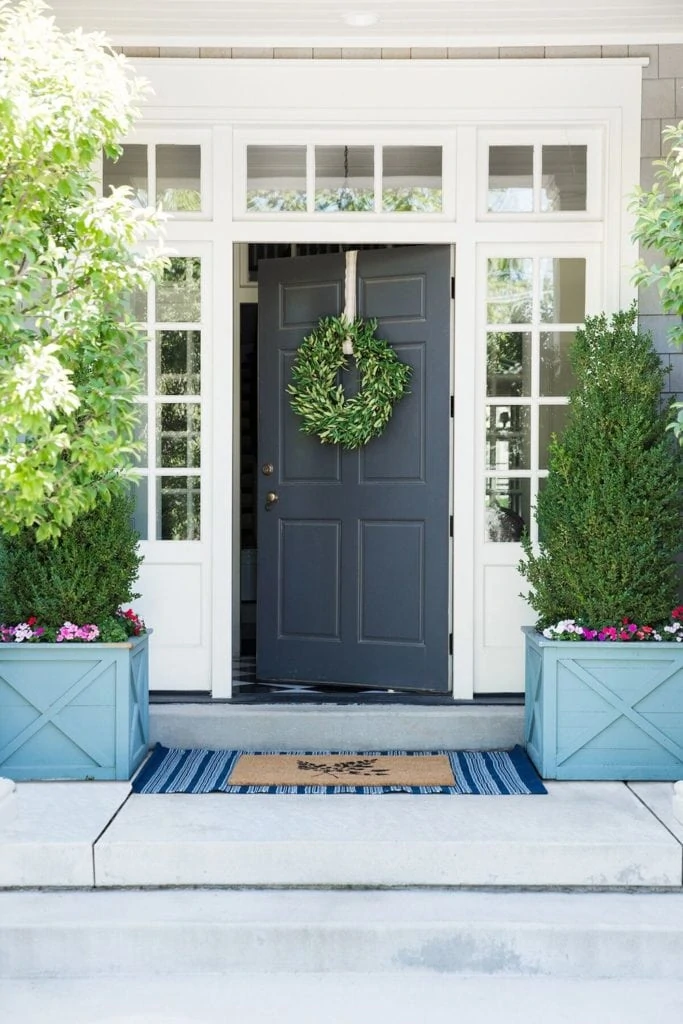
(353, 556)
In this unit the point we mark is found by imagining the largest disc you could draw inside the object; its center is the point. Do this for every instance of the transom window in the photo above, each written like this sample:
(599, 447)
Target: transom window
(169, 176)
(533, 307)
(338, 179)
(549, 174)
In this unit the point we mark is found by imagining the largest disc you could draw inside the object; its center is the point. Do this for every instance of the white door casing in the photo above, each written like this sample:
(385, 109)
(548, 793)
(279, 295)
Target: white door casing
(463, 107)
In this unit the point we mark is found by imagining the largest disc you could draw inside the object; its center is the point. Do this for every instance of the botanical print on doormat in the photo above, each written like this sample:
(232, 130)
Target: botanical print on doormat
(487, 773)
(342, 770)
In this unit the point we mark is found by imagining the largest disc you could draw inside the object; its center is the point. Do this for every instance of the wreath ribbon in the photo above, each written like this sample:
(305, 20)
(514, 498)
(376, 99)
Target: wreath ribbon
(350, 296)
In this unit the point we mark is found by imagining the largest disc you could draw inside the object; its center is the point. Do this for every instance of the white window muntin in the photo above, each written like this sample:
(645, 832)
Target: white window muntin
(592, 254)
(177, 137)
(153, 400)
(535, 136)
(341, 136)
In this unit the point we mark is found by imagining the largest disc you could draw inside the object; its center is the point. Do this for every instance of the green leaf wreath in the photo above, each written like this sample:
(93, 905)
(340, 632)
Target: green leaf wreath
(319, 399)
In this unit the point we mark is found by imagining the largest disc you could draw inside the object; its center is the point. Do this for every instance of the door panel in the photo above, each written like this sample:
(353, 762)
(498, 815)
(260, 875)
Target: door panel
(353, 557)
(383, 576)
(313, 610)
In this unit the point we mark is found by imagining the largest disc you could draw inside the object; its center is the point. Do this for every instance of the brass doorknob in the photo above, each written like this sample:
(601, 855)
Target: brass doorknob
(271, 499)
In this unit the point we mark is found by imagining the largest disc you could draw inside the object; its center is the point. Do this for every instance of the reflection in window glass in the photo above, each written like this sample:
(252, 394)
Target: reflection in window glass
(508, 364)
(563, 291)
(178, 294)
(508, 437)
(564, 178)
(542, 483)
(178, 362)
(141, 496)
(411, 179)
(142, 458)
(131, 170)
(344, 178)
(510, 290)
(178, 435)
(276, 178)
(511, 179)
(556, 375)
(178, 507)
(136, 305)
(552, 419)
(179, 178)
(508, 509)
(143, 376)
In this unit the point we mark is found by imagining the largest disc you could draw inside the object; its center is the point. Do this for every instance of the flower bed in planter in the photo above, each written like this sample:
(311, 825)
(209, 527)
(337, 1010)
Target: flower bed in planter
(604, 710)
(73, 710)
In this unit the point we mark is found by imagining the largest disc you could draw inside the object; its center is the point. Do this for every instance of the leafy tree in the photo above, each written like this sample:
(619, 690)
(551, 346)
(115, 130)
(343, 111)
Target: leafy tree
(70, 355)
(659, 226)
(609, 515)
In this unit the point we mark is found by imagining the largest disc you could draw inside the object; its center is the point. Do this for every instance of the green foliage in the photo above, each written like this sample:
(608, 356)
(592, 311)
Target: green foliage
(262, 200)
(83, 578)
(609, 515)
(412, 199)
(659, 226)
(69, 259)
(319, 399)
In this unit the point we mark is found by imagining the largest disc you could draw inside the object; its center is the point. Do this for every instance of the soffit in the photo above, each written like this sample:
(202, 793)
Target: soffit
(401, 23)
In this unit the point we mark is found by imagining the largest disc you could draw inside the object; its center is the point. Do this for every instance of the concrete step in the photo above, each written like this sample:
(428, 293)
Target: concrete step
(95, 934)
(580, 834)
(337, 998)
(80, 834)
(337, 727)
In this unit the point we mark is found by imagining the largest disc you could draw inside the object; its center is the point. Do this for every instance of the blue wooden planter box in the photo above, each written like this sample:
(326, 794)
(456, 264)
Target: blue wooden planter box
(73, 711)
(604, 710)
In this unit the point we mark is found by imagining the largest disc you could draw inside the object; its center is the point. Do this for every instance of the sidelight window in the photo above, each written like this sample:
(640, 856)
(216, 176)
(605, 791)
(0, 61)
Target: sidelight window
(168, 500)
(533, 307)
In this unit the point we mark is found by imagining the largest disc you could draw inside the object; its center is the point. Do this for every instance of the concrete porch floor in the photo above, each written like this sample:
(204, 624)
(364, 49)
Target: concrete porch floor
(340, 998)
(94, 834)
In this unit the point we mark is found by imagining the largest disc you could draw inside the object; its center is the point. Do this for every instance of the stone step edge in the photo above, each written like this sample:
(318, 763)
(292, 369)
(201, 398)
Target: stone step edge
(336, 726)
(229, 710)
(594, 935)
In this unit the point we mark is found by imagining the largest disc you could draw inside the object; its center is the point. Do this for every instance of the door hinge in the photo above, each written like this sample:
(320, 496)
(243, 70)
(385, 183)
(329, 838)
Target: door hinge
(450, 643)
(452, 287)
(452, 406)
(450, 526)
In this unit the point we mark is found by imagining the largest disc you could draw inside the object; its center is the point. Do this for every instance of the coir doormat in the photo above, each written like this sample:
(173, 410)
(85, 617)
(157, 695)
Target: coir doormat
(455, 772)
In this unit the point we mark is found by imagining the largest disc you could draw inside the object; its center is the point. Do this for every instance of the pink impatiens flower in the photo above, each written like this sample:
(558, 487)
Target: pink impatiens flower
(22, 632)
(70, 631)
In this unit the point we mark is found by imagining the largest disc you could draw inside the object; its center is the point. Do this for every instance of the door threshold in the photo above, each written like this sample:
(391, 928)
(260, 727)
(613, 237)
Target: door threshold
(254, 695)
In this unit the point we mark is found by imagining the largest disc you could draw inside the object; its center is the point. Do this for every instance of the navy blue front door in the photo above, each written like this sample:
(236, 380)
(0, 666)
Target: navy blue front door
(353, 554)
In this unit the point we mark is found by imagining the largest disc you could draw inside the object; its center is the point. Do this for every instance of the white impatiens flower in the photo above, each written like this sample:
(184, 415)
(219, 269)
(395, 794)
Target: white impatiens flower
(561, 628)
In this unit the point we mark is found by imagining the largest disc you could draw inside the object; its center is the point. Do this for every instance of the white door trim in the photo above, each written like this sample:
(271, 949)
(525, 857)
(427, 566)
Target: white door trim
(452, 101)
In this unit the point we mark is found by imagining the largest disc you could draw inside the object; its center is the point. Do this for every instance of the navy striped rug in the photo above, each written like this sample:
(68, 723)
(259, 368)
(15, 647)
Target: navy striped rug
(487, 773)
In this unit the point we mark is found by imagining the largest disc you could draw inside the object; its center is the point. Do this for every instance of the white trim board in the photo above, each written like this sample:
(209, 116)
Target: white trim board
(457, 103)
(393, 23)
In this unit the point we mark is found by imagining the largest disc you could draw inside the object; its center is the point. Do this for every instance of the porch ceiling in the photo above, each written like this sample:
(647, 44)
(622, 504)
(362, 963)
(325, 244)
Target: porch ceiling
(400, 23)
